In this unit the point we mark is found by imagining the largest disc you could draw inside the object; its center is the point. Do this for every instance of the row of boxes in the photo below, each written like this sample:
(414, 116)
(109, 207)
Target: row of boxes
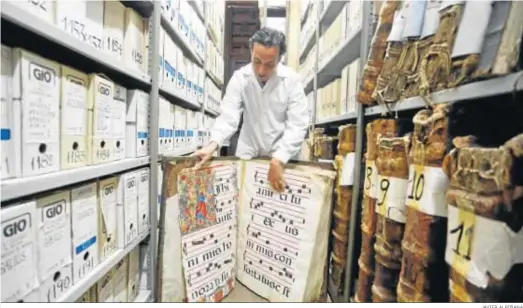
(307, 67)
(214, 96)
(179, 129)
(53, 242)
(57, 118)
(105, 25)
(178, 73)
(214, 61)
(339, 96)
(309, 27)
(120, 285)
(215, 16)
(187, 23)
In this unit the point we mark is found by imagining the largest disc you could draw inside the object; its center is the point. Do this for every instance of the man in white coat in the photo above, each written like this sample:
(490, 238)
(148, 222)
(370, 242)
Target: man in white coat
(275, 109)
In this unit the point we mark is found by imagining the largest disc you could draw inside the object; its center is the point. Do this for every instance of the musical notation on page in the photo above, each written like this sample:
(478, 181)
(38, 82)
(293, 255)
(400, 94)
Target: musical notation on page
(284, 214)
(279, 273)
(289, 243)
(295, 184)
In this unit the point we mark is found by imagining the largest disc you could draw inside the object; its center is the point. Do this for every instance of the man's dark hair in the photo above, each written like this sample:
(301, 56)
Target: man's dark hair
(269, 37)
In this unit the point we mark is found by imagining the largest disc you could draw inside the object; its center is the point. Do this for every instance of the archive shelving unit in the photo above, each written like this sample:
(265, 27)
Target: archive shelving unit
(50, 39)
(357, 45)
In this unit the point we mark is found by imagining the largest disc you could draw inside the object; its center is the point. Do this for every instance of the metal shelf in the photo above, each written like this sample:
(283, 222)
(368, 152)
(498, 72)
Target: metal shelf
(214, 78)
(212, 112)
(337, 119)
(178, 153)
(178, 39)
(196, 10)
(480, 89)
(99, 271)
(42, 28)
(176, 96)
(329, 14)
(21, 187)
(309, 43)
(345, 53)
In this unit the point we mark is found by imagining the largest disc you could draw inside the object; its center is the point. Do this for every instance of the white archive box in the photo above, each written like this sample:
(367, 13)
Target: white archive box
(107, 225)
(95, 23)
(137, 124)
(42, 9)
(133, 280)
(114, 14)
(145, 262)
(199, 128)
(19, 250)
(190, 83)
(344, 88)
(190, 139)
(84, 225)
(36, 83)
(163, 107)
(180, 120)
(52, 289)
(145, 64)
(74, 146)
(127, 208)
(71, 16)
(134, 40)
(353, 85)
(161, 59)
(118, 122)
(10, 160)
(105, 289)
(181, 72)
(143, 200)
(120, 276)
(53, 214)
(100, 97)
(170, 67)
(201, 83)
(169, 146)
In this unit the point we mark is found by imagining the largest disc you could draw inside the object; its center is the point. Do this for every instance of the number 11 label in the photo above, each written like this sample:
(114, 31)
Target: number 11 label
(477, 245)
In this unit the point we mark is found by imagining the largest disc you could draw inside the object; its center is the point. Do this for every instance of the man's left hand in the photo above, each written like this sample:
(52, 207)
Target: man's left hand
(275, 175)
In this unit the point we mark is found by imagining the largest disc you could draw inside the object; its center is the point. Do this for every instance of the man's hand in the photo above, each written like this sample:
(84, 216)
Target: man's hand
(205, 154)
(275, 175)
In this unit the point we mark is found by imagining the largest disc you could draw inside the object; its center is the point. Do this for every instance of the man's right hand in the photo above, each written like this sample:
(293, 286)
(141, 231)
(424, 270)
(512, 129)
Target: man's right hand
(205, 154)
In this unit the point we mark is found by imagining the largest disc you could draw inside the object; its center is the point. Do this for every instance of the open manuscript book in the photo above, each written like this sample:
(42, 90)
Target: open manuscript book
(224, 223)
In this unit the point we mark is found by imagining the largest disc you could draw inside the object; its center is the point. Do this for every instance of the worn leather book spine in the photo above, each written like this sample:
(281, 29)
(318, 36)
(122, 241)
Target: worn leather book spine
(368, 221)
(342, 207)
(485, 230)
(423, 276)
(393, 170)
(386, 90)
(373, 67)
(435, 66)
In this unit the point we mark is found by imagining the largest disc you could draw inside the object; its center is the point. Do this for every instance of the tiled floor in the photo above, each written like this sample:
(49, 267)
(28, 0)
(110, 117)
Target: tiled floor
(241, 294)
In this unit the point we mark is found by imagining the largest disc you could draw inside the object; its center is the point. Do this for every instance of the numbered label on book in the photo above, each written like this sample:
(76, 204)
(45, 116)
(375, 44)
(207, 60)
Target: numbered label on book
(370, 187)
(477, 245)
(391, 198)
(426, 190)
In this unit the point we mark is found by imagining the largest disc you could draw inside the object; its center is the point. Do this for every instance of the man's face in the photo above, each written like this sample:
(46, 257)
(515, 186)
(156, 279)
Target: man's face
(264, 60)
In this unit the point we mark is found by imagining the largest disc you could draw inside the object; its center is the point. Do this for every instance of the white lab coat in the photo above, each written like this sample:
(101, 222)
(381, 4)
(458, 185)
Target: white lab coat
(275, 117)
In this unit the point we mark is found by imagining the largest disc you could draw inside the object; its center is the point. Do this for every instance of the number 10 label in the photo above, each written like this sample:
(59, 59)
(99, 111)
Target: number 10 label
(426, 190)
